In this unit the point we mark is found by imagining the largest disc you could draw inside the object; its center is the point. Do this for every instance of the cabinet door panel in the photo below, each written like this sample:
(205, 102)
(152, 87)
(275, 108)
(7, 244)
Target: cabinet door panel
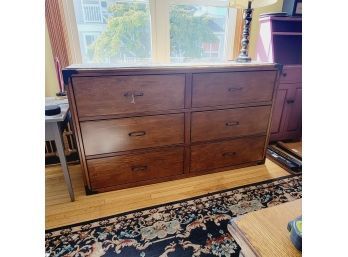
(294, 111)
(278, 110)
(287, 113)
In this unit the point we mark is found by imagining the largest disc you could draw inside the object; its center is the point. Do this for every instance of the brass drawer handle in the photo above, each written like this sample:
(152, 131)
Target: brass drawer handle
(133, 95)
(232, 123)
(137, 133)
(139, 168)
(232, 89)
(229, 154)
(128, 94)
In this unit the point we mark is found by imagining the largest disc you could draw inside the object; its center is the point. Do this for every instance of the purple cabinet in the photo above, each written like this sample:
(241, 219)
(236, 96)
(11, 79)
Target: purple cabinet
(280, 41)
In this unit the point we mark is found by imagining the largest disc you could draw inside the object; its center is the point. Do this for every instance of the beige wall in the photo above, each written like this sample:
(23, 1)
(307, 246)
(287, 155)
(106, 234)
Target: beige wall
(255, 24)
(51, 81)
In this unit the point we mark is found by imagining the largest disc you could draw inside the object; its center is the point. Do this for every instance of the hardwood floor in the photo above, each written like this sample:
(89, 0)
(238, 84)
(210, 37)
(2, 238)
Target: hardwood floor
(60, 211)
(296, 146)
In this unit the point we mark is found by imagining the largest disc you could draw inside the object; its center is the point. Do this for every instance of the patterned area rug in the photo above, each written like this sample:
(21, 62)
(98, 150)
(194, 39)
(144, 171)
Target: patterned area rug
(191, 227)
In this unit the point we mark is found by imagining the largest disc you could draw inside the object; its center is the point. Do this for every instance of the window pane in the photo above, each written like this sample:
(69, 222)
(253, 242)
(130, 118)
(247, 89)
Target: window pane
(197, 33)
(114, 31)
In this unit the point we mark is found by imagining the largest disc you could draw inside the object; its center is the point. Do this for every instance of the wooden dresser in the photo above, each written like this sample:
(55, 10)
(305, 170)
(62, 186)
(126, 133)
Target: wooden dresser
(141, 125)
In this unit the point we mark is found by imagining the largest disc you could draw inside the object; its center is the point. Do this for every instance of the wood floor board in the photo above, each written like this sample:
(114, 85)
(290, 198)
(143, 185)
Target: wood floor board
(296, 146)
(60, 211)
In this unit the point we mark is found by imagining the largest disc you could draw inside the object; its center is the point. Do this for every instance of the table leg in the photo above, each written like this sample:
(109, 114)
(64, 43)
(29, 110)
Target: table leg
(60, 149)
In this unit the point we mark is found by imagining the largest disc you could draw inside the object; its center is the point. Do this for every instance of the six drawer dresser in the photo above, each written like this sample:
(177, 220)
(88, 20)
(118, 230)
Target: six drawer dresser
(141, 125)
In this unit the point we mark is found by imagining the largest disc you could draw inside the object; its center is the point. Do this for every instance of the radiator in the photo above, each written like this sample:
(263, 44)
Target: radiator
(70, 148)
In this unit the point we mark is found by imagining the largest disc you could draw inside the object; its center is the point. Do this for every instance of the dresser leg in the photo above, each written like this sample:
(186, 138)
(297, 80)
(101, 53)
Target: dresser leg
(89, 191)
(261, 162)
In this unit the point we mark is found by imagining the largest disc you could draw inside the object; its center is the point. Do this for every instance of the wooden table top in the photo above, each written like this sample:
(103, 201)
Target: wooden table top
(264, 232)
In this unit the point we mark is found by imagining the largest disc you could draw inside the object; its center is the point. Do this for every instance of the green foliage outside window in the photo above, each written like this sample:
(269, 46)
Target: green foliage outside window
(128, 34)
(188, 32)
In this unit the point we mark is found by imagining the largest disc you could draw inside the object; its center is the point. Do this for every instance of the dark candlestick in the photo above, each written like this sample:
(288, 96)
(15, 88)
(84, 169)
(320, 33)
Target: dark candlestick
(247, 16)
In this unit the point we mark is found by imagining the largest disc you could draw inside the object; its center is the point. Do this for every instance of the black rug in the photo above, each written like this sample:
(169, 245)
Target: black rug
(191, 227)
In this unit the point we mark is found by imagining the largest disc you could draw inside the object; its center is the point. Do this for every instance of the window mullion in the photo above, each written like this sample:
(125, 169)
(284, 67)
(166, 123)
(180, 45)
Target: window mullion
(230, 32)
(152, 4)
(160, 30)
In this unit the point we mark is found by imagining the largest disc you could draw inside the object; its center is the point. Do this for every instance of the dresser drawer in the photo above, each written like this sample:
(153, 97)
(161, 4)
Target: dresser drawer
(106, 136)
(128, 94)
(291, 74)
(214, 89)
(237, 122)
(111, 171)
(226, 153)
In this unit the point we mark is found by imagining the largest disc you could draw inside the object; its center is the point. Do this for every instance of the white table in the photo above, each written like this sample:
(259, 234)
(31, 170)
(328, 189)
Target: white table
(54, 127)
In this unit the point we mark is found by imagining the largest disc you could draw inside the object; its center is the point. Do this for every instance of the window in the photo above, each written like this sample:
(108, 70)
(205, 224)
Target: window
(143, 31)
(197, 33)
(124, 37)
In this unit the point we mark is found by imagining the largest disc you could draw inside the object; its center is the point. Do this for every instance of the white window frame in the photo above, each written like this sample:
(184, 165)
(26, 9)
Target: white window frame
(160, 28)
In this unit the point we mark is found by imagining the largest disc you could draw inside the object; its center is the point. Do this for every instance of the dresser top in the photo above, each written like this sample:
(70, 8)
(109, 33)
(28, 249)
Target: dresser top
(111, 69)
(227, 64)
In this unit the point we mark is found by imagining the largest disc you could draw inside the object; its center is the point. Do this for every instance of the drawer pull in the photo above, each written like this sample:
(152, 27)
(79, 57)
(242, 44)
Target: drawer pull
(138, 94)
(232, 123)
(133, 95)
(137, 134)
(139, 168)
(285, 74)
(128, 94)
(290, 101)
(229, 154)
(232, 89)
